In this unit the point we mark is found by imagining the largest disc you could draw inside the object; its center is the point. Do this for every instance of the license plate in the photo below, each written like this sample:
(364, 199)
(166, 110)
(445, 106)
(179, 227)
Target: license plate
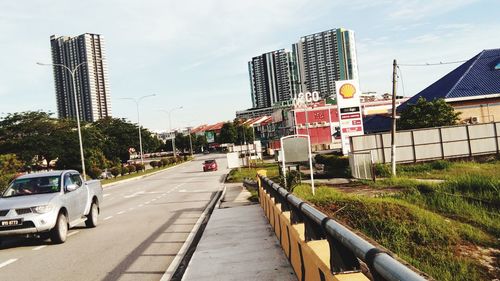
(11, 222)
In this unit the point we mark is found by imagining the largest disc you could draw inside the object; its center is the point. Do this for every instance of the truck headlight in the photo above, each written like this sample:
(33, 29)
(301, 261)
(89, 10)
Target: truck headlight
(42, 209)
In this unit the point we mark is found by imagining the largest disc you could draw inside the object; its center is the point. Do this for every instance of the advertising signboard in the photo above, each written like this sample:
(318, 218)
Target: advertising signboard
(349, 109)
(210, 136)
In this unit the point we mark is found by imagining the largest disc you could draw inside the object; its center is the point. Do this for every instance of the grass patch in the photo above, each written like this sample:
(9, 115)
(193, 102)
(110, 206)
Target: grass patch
(254, 197)
(238, 175)
(429, 241)
(448, 170)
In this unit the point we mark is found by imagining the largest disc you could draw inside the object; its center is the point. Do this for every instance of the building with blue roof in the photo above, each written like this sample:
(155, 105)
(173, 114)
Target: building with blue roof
(473, 88)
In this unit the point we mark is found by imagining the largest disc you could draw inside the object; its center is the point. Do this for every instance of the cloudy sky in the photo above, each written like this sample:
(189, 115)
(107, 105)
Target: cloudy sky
(194, 53)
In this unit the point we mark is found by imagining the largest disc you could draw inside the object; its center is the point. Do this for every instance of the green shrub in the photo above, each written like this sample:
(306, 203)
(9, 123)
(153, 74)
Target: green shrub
(153, 164)
(292, 180)
(382, 170)
(138, 167)
(441, 165)
(335, 166)
(424, 167)
(124, 170)
(115, 171)
(131, 168)
(165, 161)
(94, 172)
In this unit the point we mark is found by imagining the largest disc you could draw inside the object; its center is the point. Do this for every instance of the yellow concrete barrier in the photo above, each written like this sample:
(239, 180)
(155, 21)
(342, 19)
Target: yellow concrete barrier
(309, 259)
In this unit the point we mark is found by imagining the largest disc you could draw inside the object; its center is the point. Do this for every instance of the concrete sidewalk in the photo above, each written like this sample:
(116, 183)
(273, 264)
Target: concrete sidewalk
(238, 244)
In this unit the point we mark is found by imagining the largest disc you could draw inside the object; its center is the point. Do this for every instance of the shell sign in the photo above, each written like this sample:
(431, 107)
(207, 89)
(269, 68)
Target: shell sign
(347, 91)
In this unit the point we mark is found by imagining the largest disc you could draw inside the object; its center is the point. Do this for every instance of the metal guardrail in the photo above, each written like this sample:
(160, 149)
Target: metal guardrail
(345, 246)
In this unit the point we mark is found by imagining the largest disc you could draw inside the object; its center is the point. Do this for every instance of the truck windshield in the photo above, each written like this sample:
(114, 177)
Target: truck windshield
(30, 186)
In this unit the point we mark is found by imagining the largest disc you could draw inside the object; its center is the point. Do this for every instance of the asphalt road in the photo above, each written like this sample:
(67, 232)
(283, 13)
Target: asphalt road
(143, 224)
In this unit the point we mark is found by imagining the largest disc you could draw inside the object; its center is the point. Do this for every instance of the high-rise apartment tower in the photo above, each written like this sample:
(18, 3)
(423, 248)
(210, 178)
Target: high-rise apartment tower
(324, 58)
(86, 52)
(271, 78)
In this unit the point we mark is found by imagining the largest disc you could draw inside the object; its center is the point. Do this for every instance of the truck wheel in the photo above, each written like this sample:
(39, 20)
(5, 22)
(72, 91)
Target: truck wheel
(92, 216)
(60, 231)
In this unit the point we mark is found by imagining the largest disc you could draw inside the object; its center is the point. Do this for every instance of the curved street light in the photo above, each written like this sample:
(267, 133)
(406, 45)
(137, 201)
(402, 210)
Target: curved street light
(137, 101)
(170, 125)
(73, 73)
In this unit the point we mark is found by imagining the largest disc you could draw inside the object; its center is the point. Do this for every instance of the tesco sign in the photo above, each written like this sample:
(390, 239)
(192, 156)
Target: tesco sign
(304, 98)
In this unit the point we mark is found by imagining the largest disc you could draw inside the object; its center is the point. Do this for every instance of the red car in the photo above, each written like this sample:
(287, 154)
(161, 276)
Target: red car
(209, 165)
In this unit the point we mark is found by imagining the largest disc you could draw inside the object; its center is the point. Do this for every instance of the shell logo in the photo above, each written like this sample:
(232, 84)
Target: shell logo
(347, 91)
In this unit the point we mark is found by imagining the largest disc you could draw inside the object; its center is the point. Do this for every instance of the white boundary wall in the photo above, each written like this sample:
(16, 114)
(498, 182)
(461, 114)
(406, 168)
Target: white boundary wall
(431, 143)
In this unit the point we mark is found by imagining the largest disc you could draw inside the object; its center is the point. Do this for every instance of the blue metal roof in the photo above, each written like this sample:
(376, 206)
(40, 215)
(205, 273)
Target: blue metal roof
(376, 123)
(476, 77)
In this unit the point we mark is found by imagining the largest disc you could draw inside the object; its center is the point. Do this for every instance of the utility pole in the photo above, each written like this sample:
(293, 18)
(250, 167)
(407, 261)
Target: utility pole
(393, 129)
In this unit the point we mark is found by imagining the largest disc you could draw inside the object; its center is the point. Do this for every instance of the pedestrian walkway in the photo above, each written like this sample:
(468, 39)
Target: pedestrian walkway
(238, 244)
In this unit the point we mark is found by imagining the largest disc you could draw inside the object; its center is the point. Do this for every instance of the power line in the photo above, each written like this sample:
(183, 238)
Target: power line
(402, 82)
(431, 64)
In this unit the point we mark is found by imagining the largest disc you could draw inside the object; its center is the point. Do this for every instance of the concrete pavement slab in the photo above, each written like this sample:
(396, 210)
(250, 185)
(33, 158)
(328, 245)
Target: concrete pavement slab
(239, 244)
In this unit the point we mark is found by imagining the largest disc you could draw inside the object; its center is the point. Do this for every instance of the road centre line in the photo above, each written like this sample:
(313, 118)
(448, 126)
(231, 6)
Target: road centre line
(7, 262)
(140, 205)
(121, 212)
(39, 247)
(73, 233)
(106, 195)
(107, 218)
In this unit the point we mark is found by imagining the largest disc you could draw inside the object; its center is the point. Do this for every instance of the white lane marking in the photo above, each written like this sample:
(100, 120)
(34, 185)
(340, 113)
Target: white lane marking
(107, 218)
(106, 195)
(135, 194)
(39, 247)
(7, 262)
(147, 202)
(73, 233)
(140, 205)
(154, 199)
(121, 212)
(131, 209)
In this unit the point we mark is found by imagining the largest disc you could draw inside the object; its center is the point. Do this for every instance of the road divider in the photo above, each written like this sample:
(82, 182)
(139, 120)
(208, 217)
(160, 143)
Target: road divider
(182, 257)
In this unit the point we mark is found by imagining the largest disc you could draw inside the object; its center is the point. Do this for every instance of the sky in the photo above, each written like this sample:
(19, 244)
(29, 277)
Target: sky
(194, 54)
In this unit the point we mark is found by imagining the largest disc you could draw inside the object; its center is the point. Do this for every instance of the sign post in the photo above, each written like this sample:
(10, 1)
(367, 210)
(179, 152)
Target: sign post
(349, 109)
(296, 148)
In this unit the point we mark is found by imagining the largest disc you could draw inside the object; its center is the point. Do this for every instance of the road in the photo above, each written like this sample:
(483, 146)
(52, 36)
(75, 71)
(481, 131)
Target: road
(143, 224)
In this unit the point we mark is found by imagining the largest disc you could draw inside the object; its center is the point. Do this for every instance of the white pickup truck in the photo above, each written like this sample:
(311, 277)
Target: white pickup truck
(48, 204)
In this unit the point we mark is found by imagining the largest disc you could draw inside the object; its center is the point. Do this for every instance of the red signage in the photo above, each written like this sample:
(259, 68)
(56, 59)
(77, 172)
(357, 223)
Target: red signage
(356, 122)
(350, 116)
(352, 129)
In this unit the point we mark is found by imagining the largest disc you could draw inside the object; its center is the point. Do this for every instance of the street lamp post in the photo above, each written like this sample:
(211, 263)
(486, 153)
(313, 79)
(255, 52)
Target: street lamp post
(169, 112)
(137, 100)
(73, 73)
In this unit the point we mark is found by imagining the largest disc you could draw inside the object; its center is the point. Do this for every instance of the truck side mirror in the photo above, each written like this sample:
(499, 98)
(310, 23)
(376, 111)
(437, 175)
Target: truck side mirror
(71, 187)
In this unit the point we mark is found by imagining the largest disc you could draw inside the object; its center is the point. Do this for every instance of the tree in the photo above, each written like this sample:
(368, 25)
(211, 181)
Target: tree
(228, 133)
(120, 135)
(199, 141)
(9, 165)
(245, 134)
(181, 142)
(32, 136)
(425, 114)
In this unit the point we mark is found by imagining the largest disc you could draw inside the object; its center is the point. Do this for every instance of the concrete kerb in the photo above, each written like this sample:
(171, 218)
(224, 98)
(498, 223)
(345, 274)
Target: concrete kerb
(143, 176)
(215, 203)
